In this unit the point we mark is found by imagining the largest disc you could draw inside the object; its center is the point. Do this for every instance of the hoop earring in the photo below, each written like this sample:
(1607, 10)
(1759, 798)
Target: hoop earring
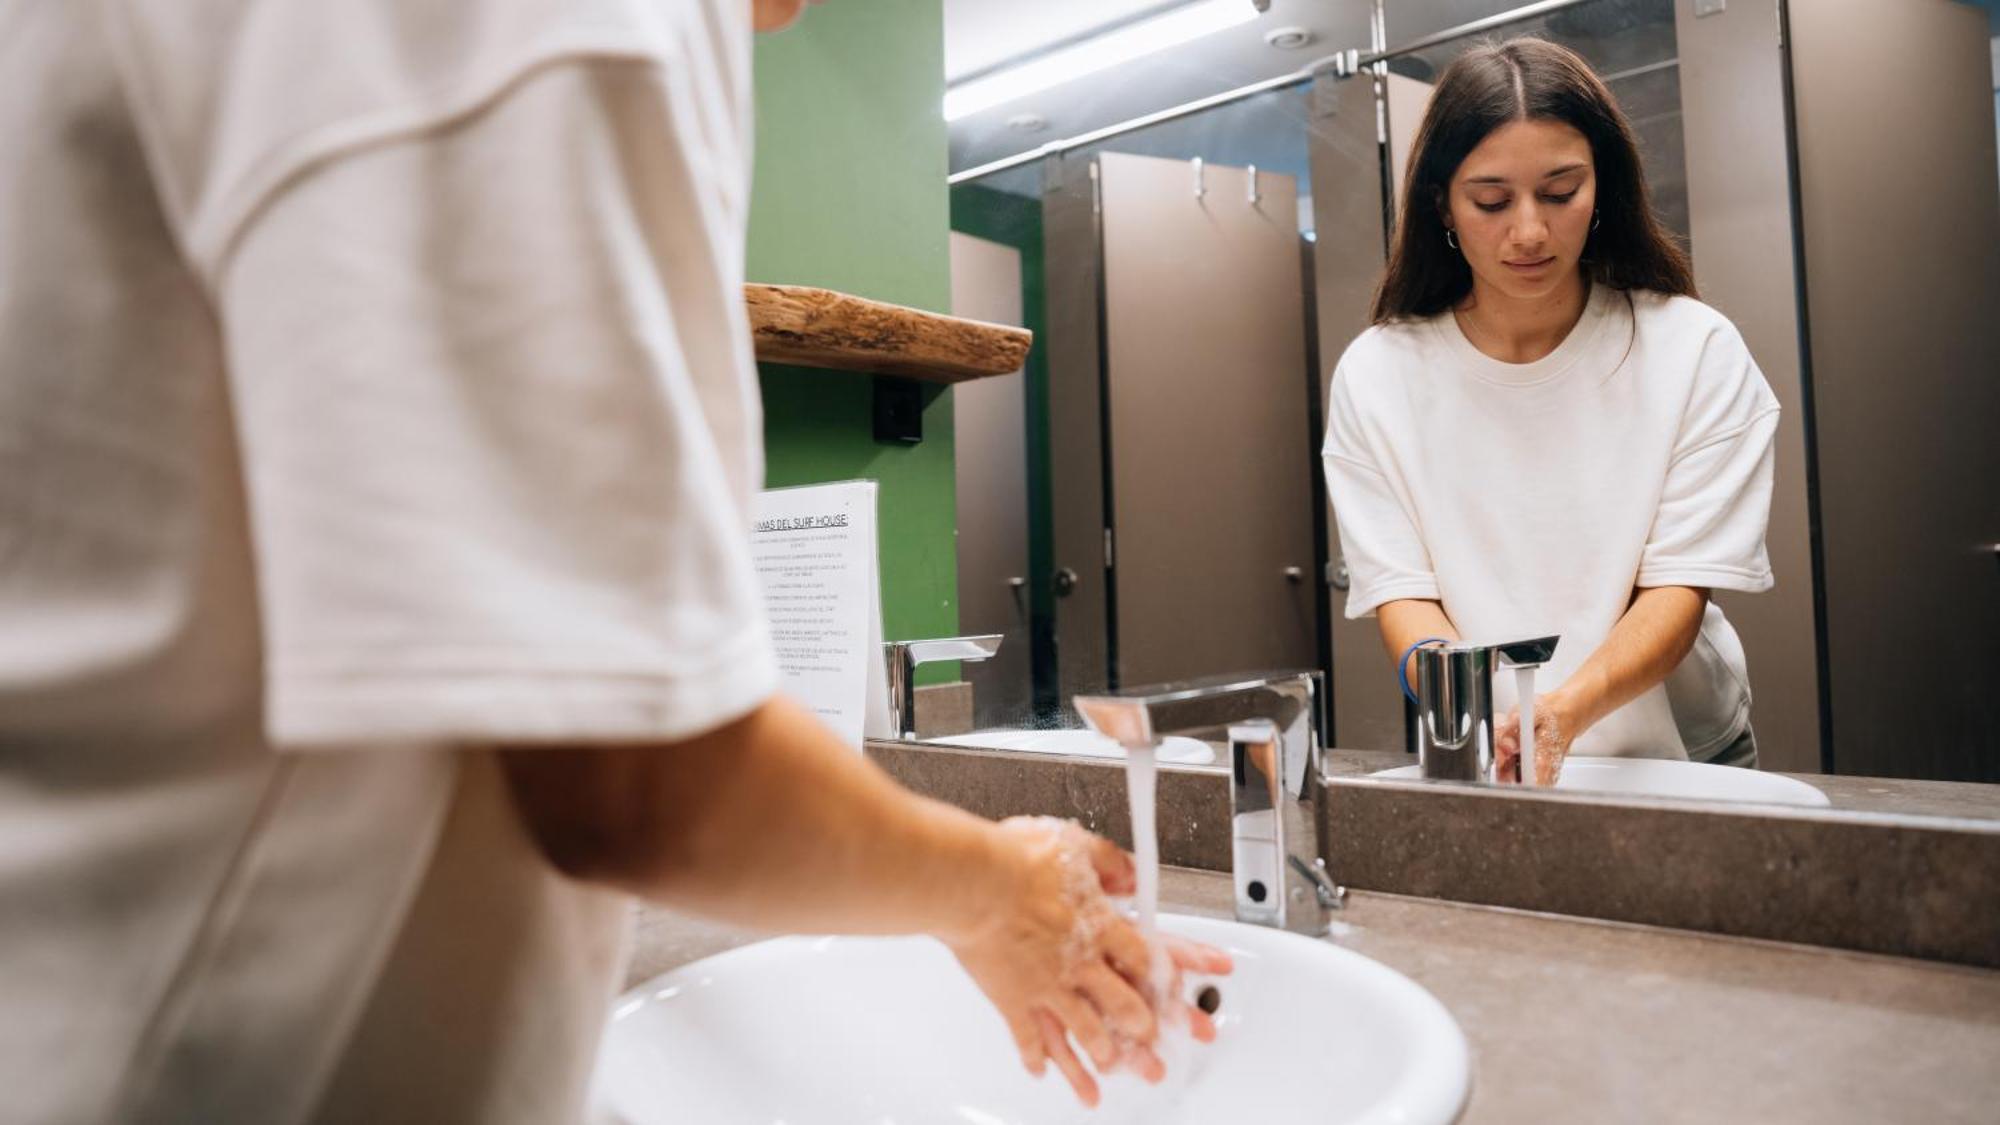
(1451, 238)
(1595, 218)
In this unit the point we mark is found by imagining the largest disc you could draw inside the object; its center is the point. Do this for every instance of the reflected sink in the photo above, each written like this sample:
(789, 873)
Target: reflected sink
(821, 1030)
(1083, 743)
(1659, 777)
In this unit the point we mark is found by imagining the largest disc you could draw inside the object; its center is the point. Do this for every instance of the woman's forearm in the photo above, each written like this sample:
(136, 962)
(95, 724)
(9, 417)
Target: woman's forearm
(1646, 645)
(1405, 622)
(768, 822)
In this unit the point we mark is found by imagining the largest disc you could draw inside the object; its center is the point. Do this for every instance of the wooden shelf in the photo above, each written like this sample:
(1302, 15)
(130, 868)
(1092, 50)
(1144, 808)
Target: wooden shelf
(821, 328)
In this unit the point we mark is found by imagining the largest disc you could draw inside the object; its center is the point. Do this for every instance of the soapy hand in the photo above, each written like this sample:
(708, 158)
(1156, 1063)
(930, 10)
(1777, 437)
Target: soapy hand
(1552, 739)
(1061, 963)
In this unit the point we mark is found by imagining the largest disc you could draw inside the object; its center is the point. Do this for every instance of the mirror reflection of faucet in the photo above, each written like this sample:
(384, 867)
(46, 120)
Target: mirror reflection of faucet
(1454, 697)
(905, 657)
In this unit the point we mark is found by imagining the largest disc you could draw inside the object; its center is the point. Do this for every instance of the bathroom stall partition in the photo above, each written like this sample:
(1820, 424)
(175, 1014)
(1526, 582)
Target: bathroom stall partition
(1899, 225)
(1181, 384)
(989, 424)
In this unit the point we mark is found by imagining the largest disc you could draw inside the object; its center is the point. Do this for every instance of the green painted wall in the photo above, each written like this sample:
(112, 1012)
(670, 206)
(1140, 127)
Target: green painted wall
(849, 194)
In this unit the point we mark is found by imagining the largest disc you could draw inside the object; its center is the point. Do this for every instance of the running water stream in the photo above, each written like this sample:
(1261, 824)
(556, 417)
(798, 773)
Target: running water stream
(1524, 686)
(1141, 775)
(1141, 783)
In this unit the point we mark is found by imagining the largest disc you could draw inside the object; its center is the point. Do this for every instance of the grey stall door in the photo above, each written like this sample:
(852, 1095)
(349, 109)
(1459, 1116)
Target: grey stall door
(1076, 459)
(1902, 251)
(1210, 444)
(989, 419)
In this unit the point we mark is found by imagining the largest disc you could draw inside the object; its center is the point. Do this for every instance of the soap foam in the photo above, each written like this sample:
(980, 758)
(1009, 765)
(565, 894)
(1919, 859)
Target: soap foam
(1089, 909)
(1092, 911)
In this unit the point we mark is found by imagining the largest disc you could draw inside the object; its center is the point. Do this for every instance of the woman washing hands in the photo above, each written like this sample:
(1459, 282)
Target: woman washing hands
(1643, 650)
(1545, 432)
(331, 786)
(1023, 904)
(1069, 965)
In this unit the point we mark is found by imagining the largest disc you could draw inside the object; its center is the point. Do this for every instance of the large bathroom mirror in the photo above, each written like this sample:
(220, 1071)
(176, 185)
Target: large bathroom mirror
(1195, 236)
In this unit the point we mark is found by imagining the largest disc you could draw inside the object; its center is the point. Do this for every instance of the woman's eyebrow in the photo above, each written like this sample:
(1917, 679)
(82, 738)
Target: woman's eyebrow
(1473, 181)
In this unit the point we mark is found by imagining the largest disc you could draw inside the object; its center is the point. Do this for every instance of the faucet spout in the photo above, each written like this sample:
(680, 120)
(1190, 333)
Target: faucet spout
(1272, 724)
(1455, 703)
(905, 657)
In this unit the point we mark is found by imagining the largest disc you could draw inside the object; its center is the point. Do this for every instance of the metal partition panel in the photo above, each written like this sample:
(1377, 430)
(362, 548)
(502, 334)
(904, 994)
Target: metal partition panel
(1210, 451)
(990, 425)
(1076, 456)
(1732, 92)
(1347, 263)
(1901, 223)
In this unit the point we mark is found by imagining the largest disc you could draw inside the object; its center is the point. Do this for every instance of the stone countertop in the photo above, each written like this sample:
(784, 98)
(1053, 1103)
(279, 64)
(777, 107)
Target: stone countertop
(1579, 1021)
(1898, 796)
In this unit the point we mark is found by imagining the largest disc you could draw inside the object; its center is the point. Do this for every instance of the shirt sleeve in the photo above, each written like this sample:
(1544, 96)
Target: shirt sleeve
(1715, 505)
(1385, 556)
(499, 427)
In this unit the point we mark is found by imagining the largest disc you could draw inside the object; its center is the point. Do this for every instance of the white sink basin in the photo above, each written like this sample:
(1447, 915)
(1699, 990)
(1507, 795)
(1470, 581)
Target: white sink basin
(1659, 777)
(808, 1031)
(1084, 743)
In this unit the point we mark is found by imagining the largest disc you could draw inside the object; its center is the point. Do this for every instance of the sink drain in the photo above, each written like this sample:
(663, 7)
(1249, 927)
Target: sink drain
(1208, 999)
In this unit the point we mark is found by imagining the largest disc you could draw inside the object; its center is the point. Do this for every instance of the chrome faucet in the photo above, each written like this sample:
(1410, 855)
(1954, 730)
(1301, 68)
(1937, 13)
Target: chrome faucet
(905, 657)
(1276, 779)
(1455, 704)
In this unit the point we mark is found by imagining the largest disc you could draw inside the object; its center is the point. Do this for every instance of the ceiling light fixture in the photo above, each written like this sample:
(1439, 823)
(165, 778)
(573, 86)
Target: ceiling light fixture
(1288, 38)
(1098, 53)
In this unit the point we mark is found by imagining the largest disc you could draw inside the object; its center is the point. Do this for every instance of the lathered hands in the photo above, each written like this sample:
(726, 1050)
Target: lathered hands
(1066, 969)
(1553, 735)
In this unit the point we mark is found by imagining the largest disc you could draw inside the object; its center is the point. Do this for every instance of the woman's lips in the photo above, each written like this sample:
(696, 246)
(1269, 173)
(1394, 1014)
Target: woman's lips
(1529, 267)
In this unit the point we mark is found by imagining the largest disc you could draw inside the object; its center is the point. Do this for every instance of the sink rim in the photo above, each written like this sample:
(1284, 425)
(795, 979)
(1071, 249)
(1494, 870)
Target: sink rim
(1436, 1085)
(1782, 790)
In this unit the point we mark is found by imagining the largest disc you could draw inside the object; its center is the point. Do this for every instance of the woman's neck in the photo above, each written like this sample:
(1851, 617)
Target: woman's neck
(1514, 330)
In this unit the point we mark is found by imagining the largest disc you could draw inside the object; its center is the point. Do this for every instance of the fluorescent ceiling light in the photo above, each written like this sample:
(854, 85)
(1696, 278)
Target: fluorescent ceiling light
(1102, 52)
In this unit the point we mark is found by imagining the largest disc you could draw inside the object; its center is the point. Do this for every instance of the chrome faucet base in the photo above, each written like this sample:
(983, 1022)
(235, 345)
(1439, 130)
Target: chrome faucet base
(1280, 879)
(905, 657)
(1455, 704)
(1276, 782)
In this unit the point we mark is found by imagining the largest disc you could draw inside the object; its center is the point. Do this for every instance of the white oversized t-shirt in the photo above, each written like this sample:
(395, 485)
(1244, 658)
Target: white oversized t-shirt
(1532, 498)
(374, 389)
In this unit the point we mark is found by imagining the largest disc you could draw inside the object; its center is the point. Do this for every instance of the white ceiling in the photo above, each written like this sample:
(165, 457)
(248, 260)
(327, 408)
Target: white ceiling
(982, 33)
(979, 33)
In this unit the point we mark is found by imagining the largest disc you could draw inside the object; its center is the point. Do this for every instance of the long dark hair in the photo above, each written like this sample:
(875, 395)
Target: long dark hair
(1487, 87)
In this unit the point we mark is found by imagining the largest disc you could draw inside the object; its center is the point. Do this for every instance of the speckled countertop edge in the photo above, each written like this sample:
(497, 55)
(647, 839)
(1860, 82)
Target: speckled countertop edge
(1581, 1021)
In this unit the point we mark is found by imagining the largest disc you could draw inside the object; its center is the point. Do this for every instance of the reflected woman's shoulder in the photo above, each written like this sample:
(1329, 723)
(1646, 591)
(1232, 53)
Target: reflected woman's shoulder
(1681, 313)
(1699, 340)
(1387, 345)
(1366, 362)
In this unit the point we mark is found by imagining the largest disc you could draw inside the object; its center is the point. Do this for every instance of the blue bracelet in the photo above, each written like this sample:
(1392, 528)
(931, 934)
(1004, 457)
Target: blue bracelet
(1403, 665)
